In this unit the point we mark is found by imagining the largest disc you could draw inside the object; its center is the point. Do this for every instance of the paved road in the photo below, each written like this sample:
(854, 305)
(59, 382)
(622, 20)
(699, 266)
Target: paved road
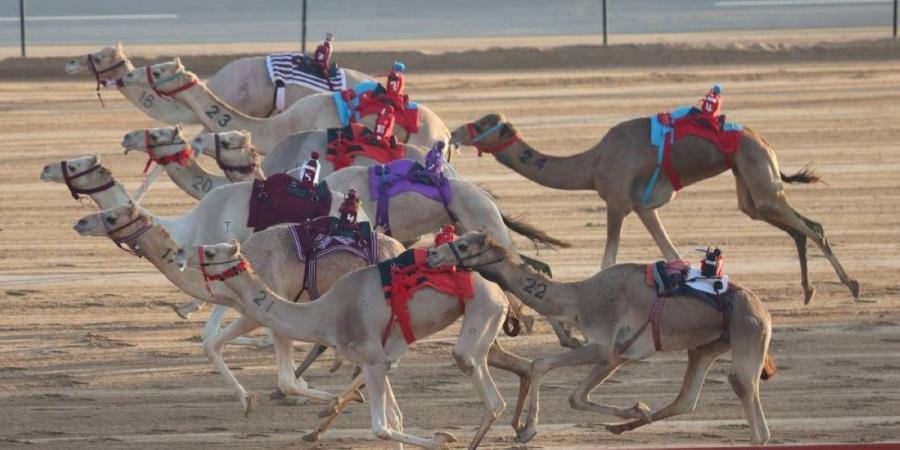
(57, 22)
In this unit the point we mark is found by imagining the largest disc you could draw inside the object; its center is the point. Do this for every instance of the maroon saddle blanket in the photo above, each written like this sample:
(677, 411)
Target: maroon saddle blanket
(284, 199)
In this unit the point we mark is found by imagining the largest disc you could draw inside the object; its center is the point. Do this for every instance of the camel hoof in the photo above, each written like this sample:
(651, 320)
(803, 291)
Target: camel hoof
(528, 321)
(616, 429)
(249, 404)
(184, 311)
(526, 434)
(276, 395)
(641, 411)
(358, 396)
(312, 436)
(336, 364)
(441, 439)
(571, 343)
(808, 295)
(854, 288)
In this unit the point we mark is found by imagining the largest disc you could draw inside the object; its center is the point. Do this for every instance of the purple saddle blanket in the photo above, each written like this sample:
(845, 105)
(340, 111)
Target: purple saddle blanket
(397, 177)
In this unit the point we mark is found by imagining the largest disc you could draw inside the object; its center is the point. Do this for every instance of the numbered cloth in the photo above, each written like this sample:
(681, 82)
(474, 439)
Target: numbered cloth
(355, 140)
(284, 199)
(301, 70)
(403, 276)
(323, 236)
(397, 177)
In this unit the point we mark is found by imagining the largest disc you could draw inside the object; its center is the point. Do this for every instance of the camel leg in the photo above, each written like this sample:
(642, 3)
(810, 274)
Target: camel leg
(614, 219)
(350, 394)
(287, 382)
(212, 347)
(376, 378)
(394, 416)
(588, 354)
(745, 203)
(214, 323)
(601, 372)
(480, 326)
(772, 204)
(564, 334)
(500, 358)
(185, 310)
(749, 342)
(650, 217)
(700, 359)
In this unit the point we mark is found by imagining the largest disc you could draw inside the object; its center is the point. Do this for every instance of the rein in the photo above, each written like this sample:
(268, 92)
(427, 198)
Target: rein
(97, 74)
(129, 239)
(155, 83)
(478, 137)
(76, 190)
(182, 157)
(246, 169)
(231, 272)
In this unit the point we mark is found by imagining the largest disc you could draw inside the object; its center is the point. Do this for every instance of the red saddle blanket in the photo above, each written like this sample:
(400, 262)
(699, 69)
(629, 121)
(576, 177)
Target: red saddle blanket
(403, 276)
(354, 140)
(284, 199)
(406, 113)
(710, 128)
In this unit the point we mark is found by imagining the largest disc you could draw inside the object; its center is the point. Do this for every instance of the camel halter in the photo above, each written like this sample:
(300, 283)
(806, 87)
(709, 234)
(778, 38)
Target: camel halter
(182, 157)
(154, 84)
(245, 169)
(461, 260)
(129, 239)
(97, 74)
(232, 271)
(478, 137)
(74, 190)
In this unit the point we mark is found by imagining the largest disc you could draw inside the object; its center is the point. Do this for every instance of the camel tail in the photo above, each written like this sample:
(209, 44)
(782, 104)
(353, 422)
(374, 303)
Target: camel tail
(769, 369)
(533, 233)
(805, 175)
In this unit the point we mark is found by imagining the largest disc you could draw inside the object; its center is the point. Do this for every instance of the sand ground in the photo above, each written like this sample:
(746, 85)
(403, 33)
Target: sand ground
(92, 356)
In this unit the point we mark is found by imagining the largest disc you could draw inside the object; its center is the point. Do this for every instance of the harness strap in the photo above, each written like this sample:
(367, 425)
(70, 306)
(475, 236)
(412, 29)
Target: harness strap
(130, 238)
(476, 138)
(97, 74)
(76, 190)
(168, 93)
(233, 271)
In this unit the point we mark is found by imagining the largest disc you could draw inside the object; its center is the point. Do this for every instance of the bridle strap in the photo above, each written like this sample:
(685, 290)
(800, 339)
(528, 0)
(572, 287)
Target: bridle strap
(154, 83)
(478, 137)
(128, 240)
(247, 169)
(182, 157)
(233, 271)
(97, 74)
(76, 190)
(461, 261)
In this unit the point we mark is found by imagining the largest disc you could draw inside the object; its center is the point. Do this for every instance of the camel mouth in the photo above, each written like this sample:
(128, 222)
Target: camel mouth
(74, 67)
(47, 174)
(181, 259)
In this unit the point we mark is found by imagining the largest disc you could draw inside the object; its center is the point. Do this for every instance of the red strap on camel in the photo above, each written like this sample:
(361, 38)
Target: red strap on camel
(494, 149)
(182, 157)
(233, 271)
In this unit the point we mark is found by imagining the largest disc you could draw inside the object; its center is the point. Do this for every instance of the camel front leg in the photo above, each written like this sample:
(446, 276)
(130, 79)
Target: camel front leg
(539, 367)
(212, 347)
(614, 219)
(350, 394)
(700, 359)
(601, 372)
(502, 359)
(215, 321)
(650, 217)
(376, 379)
(287, 383)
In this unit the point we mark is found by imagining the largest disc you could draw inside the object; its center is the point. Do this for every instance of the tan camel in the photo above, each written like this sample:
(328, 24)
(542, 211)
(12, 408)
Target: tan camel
(608, 308)
(235, 146)
(270, 251)
(170, 149)
(243, 83)
(315, 112)
(620, 166)
(354, 319)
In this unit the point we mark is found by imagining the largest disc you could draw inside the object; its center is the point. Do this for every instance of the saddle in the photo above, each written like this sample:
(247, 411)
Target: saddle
(404, 175)
(403, 276)
(355, 140)
(300, 69)
(406, 113)
(324, 236)
(284, 199)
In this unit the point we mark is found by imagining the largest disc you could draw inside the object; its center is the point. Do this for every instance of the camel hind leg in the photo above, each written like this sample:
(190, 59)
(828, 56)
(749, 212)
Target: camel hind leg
(500, 358)
(212, 347)
(700, 359)
(750, 334)
(650, 218)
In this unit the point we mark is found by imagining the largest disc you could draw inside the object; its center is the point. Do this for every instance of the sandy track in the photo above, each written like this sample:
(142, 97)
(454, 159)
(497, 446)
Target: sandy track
(91, 356)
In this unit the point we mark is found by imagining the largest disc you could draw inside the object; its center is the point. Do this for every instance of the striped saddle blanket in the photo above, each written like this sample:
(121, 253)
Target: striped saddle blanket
(300, 70)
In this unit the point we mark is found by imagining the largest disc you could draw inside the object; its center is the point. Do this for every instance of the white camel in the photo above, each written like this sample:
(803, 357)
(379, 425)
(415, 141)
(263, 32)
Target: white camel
(167, 147)
(314, 112)
(615, 311)
(351, 319)
(271, 252)
(243, 83)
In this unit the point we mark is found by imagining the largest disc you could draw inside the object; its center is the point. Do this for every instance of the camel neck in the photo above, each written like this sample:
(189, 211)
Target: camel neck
(538, 292)
(218, 115)
(194, 179)
(120, 71)
(574, 172)
(159, 249)
(112, 197)
(308, 322)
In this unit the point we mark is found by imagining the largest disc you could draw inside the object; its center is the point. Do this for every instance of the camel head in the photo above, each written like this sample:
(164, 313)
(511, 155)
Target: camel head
(233, 151)
(101, 223)
(212, 259)
(142, 139)
(53, 172)
(488, 131)
(162, 77)
(102, 61)
(471, 250)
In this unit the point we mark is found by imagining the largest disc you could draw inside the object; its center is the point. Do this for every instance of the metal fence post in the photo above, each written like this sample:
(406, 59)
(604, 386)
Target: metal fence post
(22, 25)
(604, 23)
(304, 27)
(895, 20)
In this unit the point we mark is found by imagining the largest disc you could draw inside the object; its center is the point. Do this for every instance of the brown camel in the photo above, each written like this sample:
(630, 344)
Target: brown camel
(612, 308)
(620, 166)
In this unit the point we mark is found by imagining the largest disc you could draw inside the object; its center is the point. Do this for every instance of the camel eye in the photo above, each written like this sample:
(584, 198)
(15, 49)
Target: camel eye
(209, 253)
(156, 73)
(97, 58)
(463, 247)
(111, 220)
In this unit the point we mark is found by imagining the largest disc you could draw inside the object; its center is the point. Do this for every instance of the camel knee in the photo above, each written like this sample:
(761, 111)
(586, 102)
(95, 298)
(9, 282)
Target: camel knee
(382, 433)
(465, 362)
(578, 401)
(739, 387)
(211, 347)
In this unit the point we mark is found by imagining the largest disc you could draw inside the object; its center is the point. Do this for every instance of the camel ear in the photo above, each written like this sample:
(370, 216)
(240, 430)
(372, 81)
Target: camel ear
(177, 62)
(95, 159)
(484, 236)
(235, 247)
(119, 46)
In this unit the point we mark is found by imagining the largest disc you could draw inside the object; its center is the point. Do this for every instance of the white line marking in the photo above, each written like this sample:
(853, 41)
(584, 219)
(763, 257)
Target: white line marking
(738, 3)
(90, 18)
